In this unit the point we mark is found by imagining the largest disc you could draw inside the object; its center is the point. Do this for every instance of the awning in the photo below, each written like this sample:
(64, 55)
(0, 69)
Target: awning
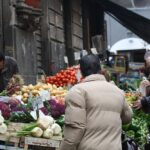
(134, 22)
(129, 44)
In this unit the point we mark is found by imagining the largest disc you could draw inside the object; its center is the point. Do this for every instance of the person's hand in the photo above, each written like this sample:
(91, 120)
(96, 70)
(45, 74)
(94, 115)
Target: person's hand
(137, 104)
(145, 83)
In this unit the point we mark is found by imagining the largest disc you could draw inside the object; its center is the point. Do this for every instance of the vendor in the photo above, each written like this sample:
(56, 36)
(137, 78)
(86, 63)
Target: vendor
(8, 67)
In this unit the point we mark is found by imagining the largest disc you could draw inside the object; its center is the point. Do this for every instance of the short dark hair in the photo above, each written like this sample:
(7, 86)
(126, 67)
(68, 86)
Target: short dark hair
(90, 64)
(2, 57)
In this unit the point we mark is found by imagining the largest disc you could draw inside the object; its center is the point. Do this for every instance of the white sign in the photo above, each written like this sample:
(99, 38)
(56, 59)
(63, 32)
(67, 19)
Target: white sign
(34, 114)
(37, 103)
(77, 55)
(66, 59)
(45, 95)
(94, 51)
(19, 97)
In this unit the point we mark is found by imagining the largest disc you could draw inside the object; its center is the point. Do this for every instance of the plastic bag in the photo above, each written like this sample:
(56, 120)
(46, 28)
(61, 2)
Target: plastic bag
(129, 144)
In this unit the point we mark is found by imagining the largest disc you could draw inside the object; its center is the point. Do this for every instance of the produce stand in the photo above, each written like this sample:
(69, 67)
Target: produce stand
(10, 141)
(16, 143)
(28, 103)
(52, 144)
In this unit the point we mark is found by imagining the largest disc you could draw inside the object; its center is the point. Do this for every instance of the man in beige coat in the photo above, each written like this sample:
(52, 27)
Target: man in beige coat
(95, 111)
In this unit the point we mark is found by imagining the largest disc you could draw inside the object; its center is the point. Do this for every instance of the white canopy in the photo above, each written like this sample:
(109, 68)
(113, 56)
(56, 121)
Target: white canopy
(128, 44)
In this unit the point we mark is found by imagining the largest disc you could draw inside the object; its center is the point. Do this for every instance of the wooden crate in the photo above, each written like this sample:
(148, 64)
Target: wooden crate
(52, 144)
(12, 142)
(9, 141)
(13, 127)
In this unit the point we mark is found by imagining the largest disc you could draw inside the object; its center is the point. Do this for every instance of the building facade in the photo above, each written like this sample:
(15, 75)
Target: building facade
(39, 33)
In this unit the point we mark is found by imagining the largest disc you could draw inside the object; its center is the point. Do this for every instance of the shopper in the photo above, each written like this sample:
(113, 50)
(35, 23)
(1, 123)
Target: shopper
(8, 67)
(95, 111)
(144, 101)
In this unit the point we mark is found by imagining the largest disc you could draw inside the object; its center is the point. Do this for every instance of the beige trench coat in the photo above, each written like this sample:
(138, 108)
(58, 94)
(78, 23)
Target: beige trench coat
(95, 111)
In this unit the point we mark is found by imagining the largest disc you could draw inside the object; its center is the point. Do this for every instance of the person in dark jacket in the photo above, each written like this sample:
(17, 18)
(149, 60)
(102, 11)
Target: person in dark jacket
(8, 68)
(144, 101)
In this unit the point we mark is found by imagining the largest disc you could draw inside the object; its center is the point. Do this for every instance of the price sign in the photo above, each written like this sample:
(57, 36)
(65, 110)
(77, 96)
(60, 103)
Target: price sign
(66, 59)
(37, 103)
(45, 95)
(77, 55)
(94, 51)
(35, 116)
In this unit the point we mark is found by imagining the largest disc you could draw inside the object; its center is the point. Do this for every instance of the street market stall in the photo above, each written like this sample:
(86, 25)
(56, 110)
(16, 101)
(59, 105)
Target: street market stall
(32, 116)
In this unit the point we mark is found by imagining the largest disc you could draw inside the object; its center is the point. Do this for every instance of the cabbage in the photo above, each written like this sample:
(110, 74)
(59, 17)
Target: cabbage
(56, 109)
(5, 110)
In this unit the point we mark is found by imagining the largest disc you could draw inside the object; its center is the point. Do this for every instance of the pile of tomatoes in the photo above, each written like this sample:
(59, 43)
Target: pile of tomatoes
(64, 77)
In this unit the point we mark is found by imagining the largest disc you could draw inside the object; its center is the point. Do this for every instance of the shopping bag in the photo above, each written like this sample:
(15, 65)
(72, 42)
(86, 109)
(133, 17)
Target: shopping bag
(129, 144)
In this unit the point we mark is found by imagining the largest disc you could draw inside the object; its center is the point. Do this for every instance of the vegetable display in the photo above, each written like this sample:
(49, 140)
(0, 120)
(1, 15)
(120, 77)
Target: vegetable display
(138, 129)
(3, 127)
(131, 97)
(52, 92)
(64, 77)
(44, 127)
(34, 90)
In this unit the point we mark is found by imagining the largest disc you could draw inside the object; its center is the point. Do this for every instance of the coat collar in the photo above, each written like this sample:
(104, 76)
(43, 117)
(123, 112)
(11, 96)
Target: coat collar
(94, 77)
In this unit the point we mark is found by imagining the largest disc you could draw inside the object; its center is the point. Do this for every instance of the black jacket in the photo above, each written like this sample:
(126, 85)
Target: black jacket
(9, 70)
(146, 104)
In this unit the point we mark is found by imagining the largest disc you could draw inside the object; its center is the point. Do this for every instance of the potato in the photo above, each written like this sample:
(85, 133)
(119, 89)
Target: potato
(40, 89)
(25, 95)
(37, 95)
(30, 87)
(34, 92)
(54, 86)
(25, 100)
(24, 90)
(45, 87)
(18, 92)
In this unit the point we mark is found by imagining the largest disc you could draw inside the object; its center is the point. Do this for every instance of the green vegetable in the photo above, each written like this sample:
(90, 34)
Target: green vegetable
(138, 128)
(27, 130)
(61, 120)
(37, 132)
(18, 116)
(3, 93)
